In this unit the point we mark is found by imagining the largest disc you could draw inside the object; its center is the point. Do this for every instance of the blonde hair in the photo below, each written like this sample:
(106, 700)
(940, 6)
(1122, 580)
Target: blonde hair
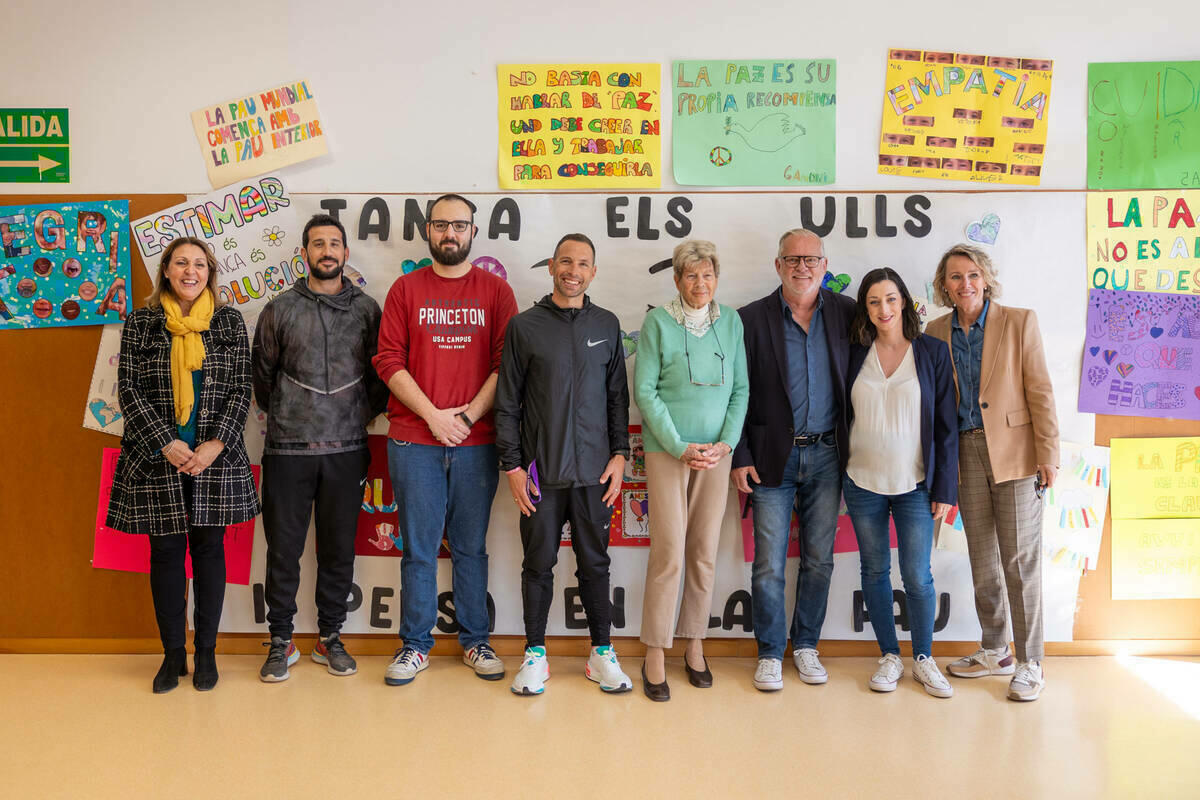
(692, 251)
(978, 258)
(161, 284)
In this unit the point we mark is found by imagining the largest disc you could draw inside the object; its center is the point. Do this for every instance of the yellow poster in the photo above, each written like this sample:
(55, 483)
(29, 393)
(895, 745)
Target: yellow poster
(965, 117)
(580, 126)
(1155, 559)
(259, 133)
(1156, 478)
(1144, 241)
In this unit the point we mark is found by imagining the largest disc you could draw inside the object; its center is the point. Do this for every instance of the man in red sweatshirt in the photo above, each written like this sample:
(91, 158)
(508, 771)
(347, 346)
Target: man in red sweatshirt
(439, 352)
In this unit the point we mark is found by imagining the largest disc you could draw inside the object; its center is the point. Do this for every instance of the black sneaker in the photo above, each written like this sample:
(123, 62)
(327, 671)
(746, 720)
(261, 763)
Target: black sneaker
(332, 653)
(283, 654)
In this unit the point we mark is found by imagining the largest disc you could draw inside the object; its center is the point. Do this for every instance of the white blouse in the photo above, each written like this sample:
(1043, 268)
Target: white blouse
(885, 437)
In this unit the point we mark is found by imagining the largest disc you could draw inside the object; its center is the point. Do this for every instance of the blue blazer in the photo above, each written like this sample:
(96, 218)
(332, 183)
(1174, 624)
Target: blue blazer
(939, 413)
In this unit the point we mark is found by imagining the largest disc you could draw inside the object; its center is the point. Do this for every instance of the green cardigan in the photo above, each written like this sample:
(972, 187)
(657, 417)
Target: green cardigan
(675, 412)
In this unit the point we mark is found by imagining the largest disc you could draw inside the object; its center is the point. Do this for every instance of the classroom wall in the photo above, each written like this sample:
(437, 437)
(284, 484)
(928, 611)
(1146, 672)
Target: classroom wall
(408, 100)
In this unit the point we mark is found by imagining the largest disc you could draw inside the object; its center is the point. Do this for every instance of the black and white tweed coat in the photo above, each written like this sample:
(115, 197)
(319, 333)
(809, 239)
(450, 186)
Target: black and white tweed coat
(147, 494)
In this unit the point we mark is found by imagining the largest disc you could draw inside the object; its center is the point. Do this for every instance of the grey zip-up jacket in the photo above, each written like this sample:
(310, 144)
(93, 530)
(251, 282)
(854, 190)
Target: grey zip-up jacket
(563, 395)
(311, 369)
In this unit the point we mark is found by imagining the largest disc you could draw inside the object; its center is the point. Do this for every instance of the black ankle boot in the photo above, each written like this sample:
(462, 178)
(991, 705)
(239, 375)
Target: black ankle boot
(205, 676)
(174, 664)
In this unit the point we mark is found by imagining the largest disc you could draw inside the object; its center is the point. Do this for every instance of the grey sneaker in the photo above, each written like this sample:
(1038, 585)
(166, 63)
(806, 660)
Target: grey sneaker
(1027, 683)
(404, 667)
(282, 655)
(482, 658)
(983, 662)
(332, 653)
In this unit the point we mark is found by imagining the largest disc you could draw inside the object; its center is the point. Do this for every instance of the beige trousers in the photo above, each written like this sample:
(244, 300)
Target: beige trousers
(686, 509)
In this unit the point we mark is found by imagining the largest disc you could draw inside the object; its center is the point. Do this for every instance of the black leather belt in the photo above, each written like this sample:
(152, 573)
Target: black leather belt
(808, 439)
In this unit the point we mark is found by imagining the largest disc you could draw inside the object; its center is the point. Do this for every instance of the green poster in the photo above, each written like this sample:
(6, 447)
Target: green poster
(754, 123)
(1144, 125)
(34, 145)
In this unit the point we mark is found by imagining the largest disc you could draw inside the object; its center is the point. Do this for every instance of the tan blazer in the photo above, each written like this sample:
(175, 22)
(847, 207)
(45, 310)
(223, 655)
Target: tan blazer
(1015, 395)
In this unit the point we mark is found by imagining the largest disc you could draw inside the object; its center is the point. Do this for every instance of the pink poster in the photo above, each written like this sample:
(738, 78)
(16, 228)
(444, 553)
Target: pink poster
(131, 553)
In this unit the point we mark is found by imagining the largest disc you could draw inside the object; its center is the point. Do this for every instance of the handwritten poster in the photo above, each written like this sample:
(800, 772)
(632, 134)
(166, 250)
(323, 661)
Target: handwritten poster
(1143, 125)
(579, 126)
(754, 123)
(1155, 559)
(1140, 355)
(125, 552)
(965, 117)
(1145, 241)
(64, 264)
(1156, 478)
(1075, 507)
(259, 133)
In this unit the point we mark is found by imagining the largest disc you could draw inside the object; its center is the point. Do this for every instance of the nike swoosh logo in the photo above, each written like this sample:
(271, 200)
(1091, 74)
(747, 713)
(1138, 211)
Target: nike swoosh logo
(593, 344)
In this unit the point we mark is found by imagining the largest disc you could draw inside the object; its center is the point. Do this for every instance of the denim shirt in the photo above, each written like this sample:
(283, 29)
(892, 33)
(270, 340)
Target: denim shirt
(810, 382)
(967, 348)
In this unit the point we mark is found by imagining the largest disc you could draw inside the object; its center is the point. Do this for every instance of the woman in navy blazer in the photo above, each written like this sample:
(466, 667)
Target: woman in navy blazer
(903, 464)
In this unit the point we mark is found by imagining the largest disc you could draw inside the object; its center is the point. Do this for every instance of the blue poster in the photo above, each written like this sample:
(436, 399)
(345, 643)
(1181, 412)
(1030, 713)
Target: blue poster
(64, 264)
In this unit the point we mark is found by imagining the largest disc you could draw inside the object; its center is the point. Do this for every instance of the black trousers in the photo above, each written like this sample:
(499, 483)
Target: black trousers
(291, 486)
(168, 584)
(541, 534)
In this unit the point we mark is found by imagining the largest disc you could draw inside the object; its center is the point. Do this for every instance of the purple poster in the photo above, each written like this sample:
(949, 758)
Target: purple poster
(1141, 358)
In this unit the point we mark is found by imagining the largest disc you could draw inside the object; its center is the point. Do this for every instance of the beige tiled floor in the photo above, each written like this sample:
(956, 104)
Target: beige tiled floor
(89, 727)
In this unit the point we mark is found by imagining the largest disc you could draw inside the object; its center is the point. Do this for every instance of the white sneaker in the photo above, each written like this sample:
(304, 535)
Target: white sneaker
(926, 673)
(404, 667)
(604, 669)
(482, 658)
(534, 672)
(769, 675)
(983, 662)
(809, 666)
(891, 669)
(1028, 682)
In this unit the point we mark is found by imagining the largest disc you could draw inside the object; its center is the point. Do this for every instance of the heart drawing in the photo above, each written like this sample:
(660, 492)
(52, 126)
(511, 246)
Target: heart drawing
(985, 231)
(1109, 355)
(1096, 375)
(835, 283)
(104, 413)
(408, 265)
(1094, 350)
(1124, 369)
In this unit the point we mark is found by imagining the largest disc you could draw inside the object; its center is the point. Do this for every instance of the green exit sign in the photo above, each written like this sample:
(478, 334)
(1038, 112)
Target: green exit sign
(34, 146)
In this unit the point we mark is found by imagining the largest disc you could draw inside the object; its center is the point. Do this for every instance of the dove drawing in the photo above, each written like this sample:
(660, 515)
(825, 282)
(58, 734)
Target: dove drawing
(770, 134)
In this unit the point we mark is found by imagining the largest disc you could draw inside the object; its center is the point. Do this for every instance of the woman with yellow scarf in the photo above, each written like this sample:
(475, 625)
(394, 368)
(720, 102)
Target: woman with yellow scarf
(183, 476)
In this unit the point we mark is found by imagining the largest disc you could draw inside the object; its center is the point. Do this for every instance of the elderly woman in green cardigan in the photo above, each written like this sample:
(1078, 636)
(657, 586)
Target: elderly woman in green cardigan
(692, 389)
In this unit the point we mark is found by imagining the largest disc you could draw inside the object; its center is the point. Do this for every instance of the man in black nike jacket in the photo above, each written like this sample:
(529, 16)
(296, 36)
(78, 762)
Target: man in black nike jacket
(562, 433)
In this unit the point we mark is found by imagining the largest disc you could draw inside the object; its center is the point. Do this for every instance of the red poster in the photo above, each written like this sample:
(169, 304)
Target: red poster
(378, 532)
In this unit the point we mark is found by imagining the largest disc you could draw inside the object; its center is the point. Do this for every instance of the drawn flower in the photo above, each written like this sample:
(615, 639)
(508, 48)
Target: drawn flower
(273, 236)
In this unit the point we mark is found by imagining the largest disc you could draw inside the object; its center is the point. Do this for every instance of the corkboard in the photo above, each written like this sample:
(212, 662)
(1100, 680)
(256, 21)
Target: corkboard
(51, 478)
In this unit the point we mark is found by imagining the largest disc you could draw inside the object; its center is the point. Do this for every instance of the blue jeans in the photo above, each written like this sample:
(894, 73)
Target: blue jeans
(812, 486)
(914, 534)
(443, 489)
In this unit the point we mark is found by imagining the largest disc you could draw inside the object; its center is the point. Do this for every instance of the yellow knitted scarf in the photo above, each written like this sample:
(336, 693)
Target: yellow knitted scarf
(187, 348)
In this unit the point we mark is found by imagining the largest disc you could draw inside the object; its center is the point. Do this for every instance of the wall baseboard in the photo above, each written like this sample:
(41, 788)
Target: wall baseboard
(383, 645)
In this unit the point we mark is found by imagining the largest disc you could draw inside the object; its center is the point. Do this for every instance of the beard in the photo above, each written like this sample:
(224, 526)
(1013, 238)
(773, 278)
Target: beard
(322, 272)
(452, 257)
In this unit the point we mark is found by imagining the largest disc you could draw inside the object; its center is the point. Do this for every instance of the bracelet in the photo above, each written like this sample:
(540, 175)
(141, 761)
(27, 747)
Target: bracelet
(511, 471)
(170, 449)
(465, 418)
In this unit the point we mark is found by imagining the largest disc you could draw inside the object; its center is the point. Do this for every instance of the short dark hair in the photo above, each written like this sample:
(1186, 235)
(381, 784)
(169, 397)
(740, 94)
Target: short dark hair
(433, 203)
(861, 329)
(576, 237)
(321, 221)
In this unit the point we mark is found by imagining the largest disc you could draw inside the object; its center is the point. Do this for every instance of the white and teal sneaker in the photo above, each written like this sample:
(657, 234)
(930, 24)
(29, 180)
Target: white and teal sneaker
(604, 669)
(534, 672)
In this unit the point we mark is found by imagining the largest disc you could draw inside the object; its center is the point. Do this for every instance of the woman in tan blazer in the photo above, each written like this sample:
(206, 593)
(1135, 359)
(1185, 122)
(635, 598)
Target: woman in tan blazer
(1008, 453)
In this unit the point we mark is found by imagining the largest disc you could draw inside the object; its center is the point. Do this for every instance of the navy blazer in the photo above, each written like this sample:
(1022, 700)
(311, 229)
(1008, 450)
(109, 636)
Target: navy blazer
(767, 435)
(939, 413)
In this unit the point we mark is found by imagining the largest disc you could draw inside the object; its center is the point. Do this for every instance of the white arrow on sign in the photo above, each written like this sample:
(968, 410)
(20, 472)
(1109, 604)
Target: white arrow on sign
(42, 163)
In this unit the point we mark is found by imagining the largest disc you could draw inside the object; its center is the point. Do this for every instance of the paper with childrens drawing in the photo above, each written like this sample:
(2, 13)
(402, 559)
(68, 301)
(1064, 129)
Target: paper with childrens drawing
(754, 123)
(1144, 241)
(965, 117)
(1139, 357)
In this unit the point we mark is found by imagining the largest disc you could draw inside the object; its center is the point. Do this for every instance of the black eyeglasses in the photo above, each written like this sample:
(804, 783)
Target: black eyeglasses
(720, 354)
(459, 225)
(812, 262)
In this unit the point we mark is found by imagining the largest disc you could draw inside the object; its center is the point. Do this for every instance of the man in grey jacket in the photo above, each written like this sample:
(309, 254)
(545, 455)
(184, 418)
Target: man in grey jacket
(312, 374)
(562, 433)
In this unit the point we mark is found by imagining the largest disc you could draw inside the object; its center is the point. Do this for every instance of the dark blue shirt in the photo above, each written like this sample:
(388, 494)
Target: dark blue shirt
(187, 431)
(967, 347)
(810, 381)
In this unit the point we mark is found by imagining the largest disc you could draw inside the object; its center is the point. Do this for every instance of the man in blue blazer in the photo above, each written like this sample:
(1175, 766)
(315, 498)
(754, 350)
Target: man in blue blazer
(793, 449)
